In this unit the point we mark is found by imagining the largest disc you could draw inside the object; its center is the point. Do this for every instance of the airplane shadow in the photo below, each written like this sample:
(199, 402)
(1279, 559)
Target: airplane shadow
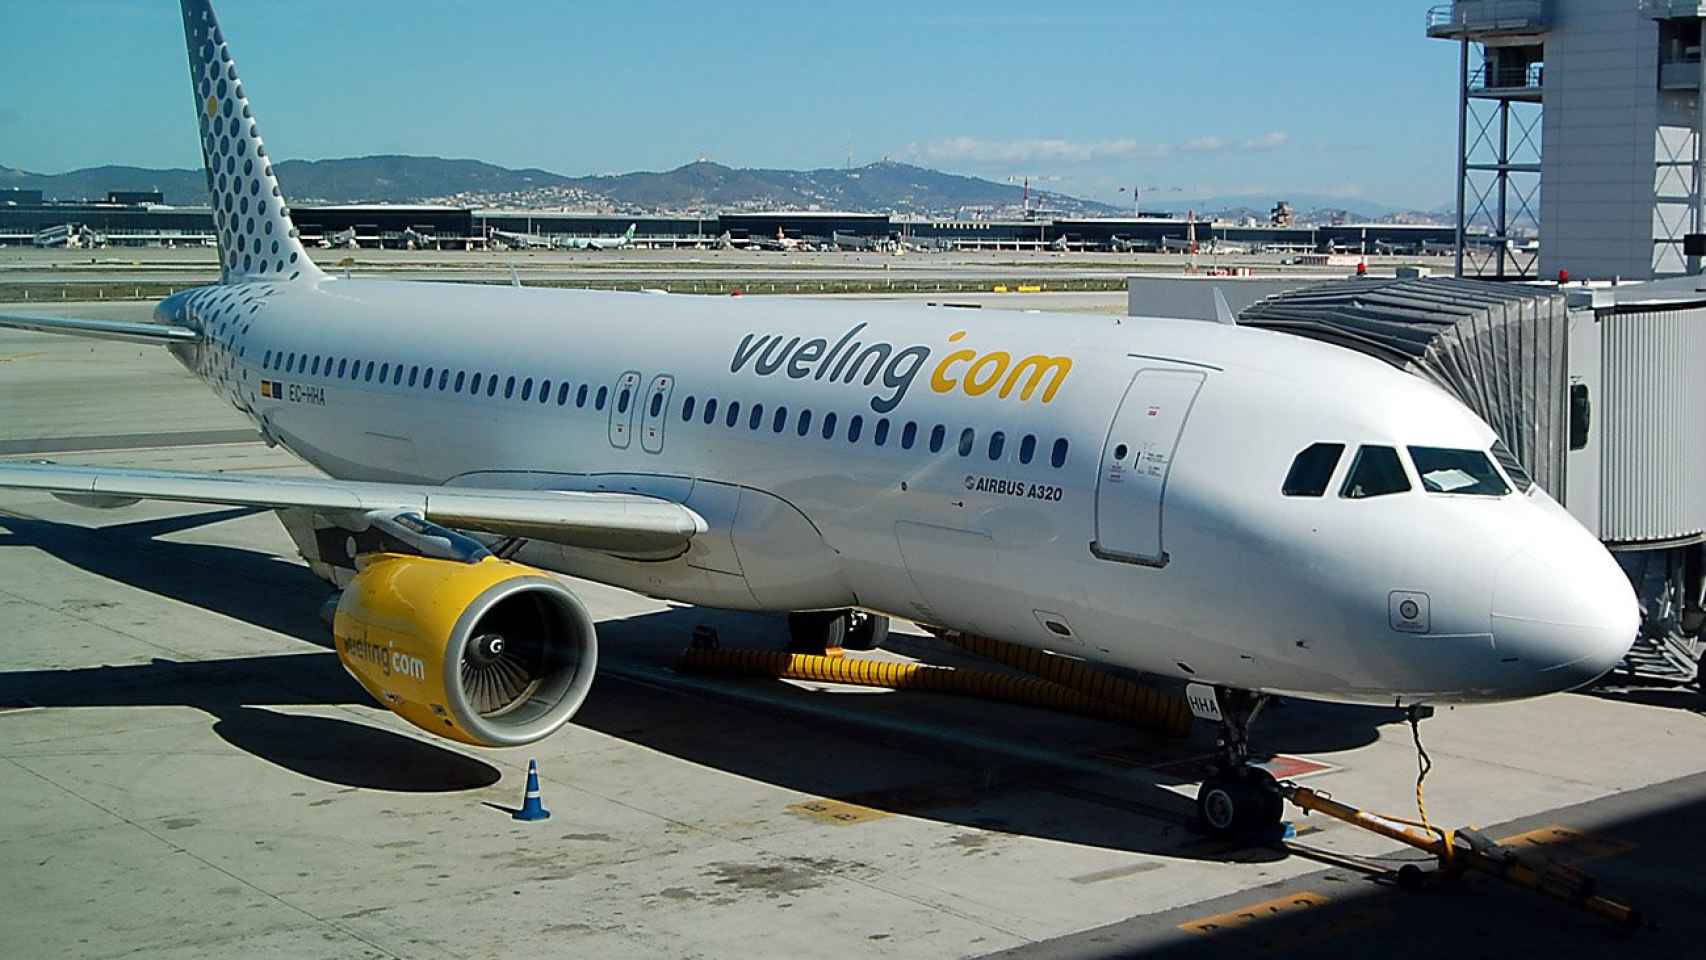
(900, 753)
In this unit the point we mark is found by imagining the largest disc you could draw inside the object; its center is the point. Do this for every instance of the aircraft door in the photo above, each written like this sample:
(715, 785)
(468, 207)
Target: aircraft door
(622, 410)
(655, 413)
(1136, 461)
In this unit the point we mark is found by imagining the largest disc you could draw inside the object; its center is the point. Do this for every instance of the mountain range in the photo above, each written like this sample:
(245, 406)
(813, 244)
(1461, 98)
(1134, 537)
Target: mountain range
(884, 187)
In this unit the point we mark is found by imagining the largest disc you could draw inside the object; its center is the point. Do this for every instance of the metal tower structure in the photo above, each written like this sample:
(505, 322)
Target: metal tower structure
(1501, 66)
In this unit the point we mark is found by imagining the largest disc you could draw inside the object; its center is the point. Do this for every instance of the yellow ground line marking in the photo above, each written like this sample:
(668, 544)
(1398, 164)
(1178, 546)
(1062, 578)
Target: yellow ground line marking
(1561, 842)
(1292, 903)
(837, 812)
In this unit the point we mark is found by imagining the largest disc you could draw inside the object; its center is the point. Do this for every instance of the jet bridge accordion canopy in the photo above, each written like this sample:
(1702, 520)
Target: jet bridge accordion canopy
(1502, 349)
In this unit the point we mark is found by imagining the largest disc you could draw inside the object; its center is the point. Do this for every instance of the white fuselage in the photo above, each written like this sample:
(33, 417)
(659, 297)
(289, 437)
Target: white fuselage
(1160, 541)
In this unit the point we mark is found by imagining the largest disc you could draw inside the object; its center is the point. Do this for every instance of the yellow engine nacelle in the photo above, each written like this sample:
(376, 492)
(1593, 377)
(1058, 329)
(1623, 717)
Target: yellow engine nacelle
(489, 653)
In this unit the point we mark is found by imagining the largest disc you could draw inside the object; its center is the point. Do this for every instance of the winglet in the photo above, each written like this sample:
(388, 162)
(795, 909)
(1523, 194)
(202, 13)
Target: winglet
(1223, 310)
(257, 240)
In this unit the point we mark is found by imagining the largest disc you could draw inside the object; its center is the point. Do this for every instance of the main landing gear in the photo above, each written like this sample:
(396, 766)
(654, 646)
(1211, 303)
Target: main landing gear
(821, 631)
(1237, 799)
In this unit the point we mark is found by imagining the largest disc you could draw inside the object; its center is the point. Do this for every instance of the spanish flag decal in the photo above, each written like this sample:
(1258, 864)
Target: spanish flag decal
(270, 389)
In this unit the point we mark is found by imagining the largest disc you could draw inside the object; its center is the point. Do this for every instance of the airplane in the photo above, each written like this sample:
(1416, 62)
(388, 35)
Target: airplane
(68, 236)
(523, 241)
(342, 239)
(601, 243)
(1194, 500)
(781, 242)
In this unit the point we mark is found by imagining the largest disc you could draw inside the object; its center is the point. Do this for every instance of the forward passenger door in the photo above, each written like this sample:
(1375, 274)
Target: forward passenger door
(1136, 462)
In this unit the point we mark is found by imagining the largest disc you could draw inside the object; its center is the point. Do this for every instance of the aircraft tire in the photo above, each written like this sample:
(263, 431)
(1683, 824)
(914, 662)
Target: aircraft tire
(1240, 804)
(866, 631)
(817, 631)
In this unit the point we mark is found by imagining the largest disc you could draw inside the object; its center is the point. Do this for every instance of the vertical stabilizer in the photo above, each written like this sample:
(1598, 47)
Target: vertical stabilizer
(256, 238)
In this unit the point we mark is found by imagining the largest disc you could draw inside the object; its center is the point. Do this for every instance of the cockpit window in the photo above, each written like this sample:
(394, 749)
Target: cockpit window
(1313, 470)
(1513, 467)
(1375, 472)
(1457, 471)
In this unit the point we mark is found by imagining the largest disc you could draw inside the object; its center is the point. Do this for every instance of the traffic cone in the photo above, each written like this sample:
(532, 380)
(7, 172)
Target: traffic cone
(532, 808)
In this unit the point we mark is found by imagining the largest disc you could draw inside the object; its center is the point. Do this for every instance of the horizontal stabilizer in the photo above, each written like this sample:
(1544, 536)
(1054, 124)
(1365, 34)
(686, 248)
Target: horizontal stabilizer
(131, 331)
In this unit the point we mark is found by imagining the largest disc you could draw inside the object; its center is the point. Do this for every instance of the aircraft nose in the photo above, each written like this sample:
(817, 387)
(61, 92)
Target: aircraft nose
(1563, 614)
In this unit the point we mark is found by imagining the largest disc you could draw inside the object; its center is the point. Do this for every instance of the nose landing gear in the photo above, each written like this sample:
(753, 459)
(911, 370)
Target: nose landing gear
(1237, 799)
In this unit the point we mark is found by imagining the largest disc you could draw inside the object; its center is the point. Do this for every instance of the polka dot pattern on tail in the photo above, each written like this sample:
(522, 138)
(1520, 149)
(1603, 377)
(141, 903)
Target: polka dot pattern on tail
(245, 224)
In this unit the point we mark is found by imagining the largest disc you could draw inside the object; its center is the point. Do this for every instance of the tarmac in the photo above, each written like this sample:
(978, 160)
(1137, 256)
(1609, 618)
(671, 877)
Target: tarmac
(186, 771)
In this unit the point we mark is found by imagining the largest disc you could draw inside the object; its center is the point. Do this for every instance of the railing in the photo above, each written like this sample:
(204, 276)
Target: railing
(1504, 78)
(1489, 15)
(1669, 9)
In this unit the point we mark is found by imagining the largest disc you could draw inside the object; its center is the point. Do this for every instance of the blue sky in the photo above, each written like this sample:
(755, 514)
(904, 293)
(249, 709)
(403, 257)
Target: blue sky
(1343, 97)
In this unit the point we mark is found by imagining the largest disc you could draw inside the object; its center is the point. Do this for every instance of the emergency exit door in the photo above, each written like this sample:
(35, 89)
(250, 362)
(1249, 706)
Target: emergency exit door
(1136, 462)
(622, 410)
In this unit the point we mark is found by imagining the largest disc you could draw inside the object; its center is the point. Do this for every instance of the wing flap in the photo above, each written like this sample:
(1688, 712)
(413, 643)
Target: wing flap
(130, 331)
(598, 521)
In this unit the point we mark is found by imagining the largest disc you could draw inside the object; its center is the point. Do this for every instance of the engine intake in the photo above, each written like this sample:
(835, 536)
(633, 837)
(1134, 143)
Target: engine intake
(490, 653)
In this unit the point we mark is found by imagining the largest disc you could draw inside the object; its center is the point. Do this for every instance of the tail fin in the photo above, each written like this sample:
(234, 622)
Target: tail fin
(629, 234)
(256, 238)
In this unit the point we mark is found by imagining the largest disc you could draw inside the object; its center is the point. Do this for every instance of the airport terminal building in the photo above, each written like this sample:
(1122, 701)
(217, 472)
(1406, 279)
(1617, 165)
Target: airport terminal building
(141, 219)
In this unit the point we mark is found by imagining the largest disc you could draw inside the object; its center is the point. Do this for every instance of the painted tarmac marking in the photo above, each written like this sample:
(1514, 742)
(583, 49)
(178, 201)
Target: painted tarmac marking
(1564, 843)
(1293, 933)
(836, 812)
(1114, 873)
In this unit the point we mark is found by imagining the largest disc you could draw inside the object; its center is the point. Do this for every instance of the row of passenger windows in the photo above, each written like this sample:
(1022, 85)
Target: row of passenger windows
(779, 421)
(1377, 471)
(829, 427)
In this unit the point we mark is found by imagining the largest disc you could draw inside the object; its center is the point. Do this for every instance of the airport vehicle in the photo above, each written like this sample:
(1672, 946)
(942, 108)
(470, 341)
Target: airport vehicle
(601, 243)
(343, 239)
(1187, 499)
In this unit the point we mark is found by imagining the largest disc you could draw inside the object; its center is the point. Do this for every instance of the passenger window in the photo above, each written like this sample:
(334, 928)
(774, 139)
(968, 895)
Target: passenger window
(1312, 470)
(474, 387)
(757, 417)
(368, 377)
(805, 422)
(603, 395)
(414, 374)
(460, 374)
(343, 365)
(968, 439)
(384, 371)
(397, 375)
(492, 384)
(829, 425)
(509, 388)
(938, 434)
(266, 361)
(710, 411)
(780, 421)
(855, 425)
(1058, 456)
(580, 396)
(622, 400)
(1513, 467)
(526, 388)
(881, 434)
(1375, 472)
(733, 414)
(657, 404)
(908, 434)
(687, 410)
(562, 393)
(997, 445)
(1457, 471)
(315, 367)
(544, 391)
(1027, 448)
(426, 379)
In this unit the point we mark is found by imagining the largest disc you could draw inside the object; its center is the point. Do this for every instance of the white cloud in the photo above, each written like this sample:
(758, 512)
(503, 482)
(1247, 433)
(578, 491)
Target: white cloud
(1272, 140)
(977, 151)
(1051, 150)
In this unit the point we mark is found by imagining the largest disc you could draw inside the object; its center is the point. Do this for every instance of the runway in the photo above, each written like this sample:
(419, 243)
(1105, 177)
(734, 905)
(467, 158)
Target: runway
(188, 772)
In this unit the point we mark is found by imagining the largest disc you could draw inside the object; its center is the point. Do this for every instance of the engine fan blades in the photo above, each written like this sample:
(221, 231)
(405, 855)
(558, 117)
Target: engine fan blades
(496, 674)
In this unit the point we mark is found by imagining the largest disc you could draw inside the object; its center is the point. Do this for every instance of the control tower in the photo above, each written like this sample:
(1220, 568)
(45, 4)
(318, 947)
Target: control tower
(1600, 101)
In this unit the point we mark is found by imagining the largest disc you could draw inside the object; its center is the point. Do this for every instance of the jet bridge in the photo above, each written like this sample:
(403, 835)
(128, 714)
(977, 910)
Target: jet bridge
(1600, 393)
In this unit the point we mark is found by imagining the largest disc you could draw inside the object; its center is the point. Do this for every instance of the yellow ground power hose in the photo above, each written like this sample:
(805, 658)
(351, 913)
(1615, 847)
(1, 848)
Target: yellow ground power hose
(983, 684)
(1164, 712)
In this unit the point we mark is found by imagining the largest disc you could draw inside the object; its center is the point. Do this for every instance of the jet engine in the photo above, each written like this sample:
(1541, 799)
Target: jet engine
(490, 653)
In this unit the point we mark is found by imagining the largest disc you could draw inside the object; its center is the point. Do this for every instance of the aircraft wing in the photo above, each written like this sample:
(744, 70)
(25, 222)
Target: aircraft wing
(600, 521)
(127, 330)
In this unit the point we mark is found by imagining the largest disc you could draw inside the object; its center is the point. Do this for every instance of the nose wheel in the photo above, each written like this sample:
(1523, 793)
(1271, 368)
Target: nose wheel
(1238, 799)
